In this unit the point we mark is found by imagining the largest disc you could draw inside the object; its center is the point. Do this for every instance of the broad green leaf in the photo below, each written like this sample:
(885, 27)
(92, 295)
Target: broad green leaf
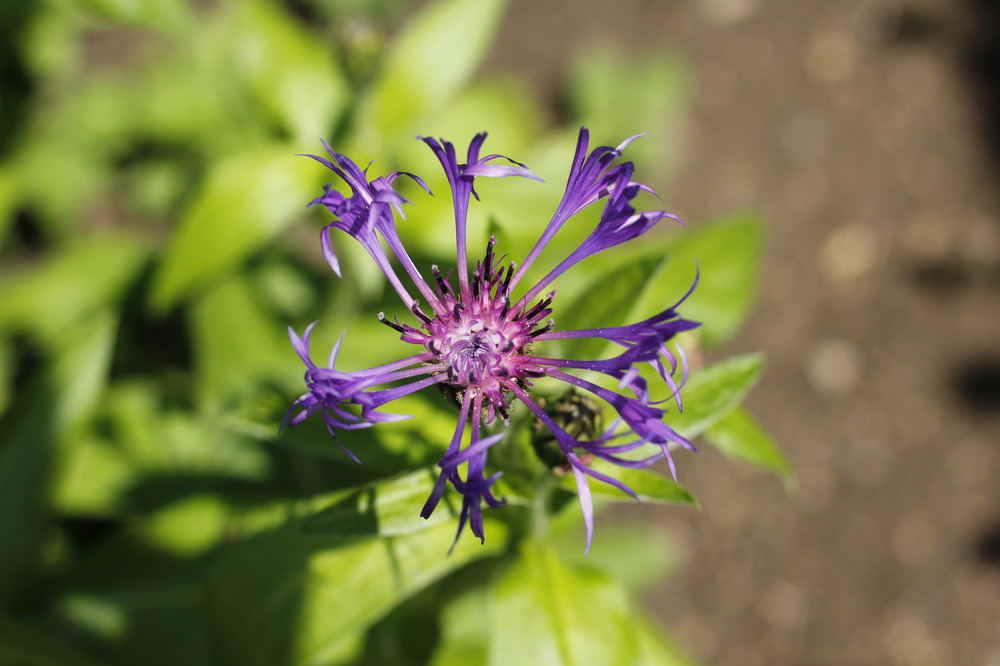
(73, 284)
(727, 255)
(187, 528)
(545, 612)
(465, 630)
(657, 89)
(738, 436)
(26, 455)
(82, 366)
(290, 598)
(21, 645)
(429, 62)
(648, 485)
(293, 74)
(386, 508)
(637, 555)
(606, 302)
(713, 392)
(244, 202)
(237, 344)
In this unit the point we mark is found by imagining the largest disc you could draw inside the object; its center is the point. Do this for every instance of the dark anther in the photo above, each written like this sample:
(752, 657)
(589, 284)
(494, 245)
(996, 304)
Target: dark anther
(390, 324)
(434, 346)
(503, 372)
(506, 307)
(506, 280)
(532, 373)
(443, 287)
(415, 309)
(545, 329)
(539, 307)
(502, 410)
(507, 346)
(457, 312)
(488, 260)
(476, 280)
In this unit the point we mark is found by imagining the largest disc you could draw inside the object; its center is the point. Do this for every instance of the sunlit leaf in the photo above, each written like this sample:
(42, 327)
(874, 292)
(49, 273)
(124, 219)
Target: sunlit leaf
(464, 631)
(738, 436)
(607, 301)
(657, 89)
(727, 255)
(289, 598)
(649, 486)
(245, 200)
(72, 285)
(429, 62)
(236, 343)
(293, 74)
(713, 392)
(544, 612)
(387, 508)
(630, 551)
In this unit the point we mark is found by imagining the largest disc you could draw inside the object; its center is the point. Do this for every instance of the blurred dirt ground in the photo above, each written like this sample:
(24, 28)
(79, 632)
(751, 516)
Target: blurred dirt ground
(865, 131)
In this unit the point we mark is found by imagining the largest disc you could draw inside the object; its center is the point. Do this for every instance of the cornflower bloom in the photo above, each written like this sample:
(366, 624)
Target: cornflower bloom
(475, 338)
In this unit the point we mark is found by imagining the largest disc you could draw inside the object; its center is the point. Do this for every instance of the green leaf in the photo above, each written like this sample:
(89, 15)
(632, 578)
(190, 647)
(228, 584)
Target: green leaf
(292, 74)
(715, 391)
(237, 344)
(244, 202)
(727, 255)
(291, 598)
(657, 89)
(20, 645)
(648, 485)
(544, 612)
(602, 304)
(429, 62)
(26, 454)
(386, 508)
(465, 630)
(637, 556)
(738, 436)
(75, 283)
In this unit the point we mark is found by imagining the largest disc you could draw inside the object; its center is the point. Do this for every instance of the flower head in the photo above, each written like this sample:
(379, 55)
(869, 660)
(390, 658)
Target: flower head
(474, 335)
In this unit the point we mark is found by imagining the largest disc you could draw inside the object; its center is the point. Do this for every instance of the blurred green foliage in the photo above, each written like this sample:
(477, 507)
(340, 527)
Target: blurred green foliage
(154, 245)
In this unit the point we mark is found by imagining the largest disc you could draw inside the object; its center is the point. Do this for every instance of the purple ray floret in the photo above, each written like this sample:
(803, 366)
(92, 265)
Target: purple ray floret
(475, 337)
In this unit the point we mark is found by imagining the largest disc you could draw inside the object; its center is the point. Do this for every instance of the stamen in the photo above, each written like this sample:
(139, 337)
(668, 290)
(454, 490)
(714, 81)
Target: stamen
(548, 327)
(540, 306)
(506, 280)
(506, 306)
(443, 287)
(390, 324)
(456, 312)
(415, 309)
(488, 260)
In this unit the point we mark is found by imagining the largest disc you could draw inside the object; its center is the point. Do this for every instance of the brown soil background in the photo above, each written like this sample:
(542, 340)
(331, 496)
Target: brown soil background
(865, 132)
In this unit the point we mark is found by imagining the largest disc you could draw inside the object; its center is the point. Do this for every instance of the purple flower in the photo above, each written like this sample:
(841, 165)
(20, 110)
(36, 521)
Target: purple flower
(475, 337)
